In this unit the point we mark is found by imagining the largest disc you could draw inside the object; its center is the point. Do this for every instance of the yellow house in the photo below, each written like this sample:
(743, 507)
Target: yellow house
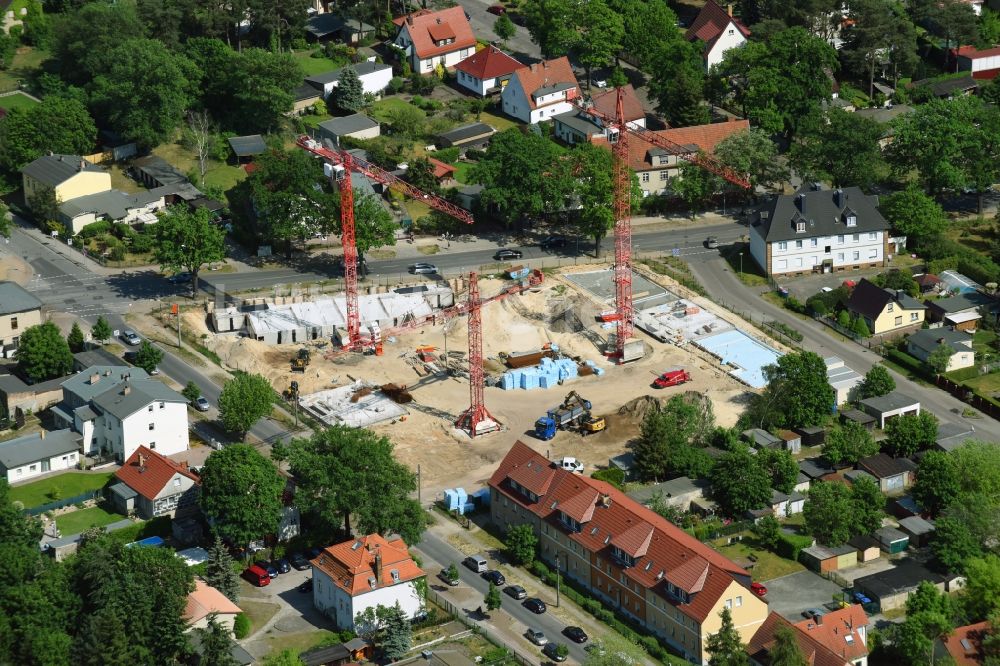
(69, 176)
(18, 310)
(885, 310)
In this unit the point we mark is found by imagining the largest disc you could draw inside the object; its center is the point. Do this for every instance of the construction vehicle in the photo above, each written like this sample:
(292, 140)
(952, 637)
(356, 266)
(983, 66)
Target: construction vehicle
(573, 409)
(592, 424)
(300, 361)
(672, 378)
(291, 392)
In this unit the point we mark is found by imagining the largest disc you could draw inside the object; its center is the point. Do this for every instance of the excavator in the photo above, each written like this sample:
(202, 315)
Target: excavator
(574, 410)
(300, 361)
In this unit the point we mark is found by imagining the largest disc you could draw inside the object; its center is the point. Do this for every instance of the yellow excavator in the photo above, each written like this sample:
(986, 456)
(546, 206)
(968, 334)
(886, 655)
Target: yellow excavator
(300, 361)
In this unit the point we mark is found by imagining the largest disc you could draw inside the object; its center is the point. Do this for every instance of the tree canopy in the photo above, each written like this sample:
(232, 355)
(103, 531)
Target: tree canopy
(245, 399)
(241, 492)
(822, 142)
(848, 443)
(877, 382)
(725, 646)
(913, 213)
(349, 94)
(755, 155)
(910, 433)
(670, 439)
(834, 513)
(58, 124)
(740, 483)
(43, 353)
(187, 240)
(797, 394)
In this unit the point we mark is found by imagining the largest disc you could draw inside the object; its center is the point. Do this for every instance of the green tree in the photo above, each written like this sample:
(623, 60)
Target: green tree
(667, 435)
(59, 124)
(781, 467)
(937, 481)
(822, 142)
(768, 531)
(978, 465)
(75, 338)
(595, 191)
(877, 382)
(695, 186)
(148, 356)
(45, 207)
(786, 651)
(349, 94)
(241, 626)
(932, 140)
(283, 658)
(342, 472)
(725, 646)
(754, 155)
(868, 506)
(939, 359)
(520, 544)
(860, 326)
(797, 393)
(827, 513)
(504, 28)
(187, 240)
(849, 443)
(85, 38)
(191, 391)
(245, 399)
(868, 37)
(678, 83)
(16, 527)
(613, 650)
(43, 353)
(257, 86)
(844, 318)
(648, 26)
(600, 33)
(241, 492)
(910, 433)
(216, 645)
(982, 587)
(552, 25)
(219, 571)
(968, 528)
(739, 483)
(420, 174)
(397, 634)
(101, 330)
(914, 214)
(928, 617)
(492, 599)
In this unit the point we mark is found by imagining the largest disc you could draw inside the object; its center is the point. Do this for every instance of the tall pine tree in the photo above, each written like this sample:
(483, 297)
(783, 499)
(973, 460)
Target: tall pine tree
(396, 634)
(216, 645)
(786, 650)
(75, 339)
(725, 645)
(349, 95)
(219, 572)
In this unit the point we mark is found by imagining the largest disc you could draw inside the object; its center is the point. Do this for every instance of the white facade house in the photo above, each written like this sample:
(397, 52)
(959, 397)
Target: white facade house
(39, 453)
(151, 485)
(118, 409)
(921, 344)
(540, 92)
(971, 59)
(486, 71)
(375, 78)
(718, 30)
(819, 231)
(363, 573)
(429, 39)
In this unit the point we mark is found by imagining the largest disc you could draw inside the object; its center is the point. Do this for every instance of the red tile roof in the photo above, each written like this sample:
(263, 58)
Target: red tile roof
(581, 506)
(972, 634)
(489, 63)
(662, 549)
(206, 600)
(441, 170)
(426, 27)
(146, 472)
(972, 53)
(836, 627)
(606, 102)
(711, 22)
(546, 73)
(813, 651)
(351, 565)
(705, 137)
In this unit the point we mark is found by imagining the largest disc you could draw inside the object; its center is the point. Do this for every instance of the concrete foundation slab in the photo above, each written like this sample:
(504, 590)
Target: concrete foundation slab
(334, 406)
(645, 294)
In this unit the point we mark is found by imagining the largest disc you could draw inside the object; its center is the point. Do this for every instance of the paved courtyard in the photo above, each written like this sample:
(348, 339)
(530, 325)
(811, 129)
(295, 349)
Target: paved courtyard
(790, 595)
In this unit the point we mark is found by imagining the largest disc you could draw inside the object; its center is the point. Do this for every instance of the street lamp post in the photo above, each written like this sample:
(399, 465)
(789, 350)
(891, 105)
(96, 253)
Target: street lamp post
(741, 265)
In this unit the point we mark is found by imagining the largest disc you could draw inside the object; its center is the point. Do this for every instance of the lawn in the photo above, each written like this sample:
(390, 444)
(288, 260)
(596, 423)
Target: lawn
(416, 209)
(499, 123)
(462, 171)
(383, 109)
(312, 120)
(768, 564)
(298, 642)
(78, 521)
(986, 384)
(25, 61)
(259, 612)
(983, 341)
(17, 101)
(311, 66)
(217, 174)
(69, 484)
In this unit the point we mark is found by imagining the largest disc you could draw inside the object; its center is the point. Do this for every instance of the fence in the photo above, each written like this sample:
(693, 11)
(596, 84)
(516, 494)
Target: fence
(460, 615)
(58, 504)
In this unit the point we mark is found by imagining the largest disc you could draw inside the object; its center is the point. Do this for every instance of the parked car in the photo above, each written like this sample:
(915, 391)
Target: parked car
(179, 278)
(130, 337)
(283, 566)
(555, 651)
(812, 613)
(599, 83)
(271, 570)
(306, 586)
(495, 577)
(422, 268)
(313, 553)
(553, 242)
(570, 465)
(759, 589)
(201, 404)
(257, 576)
(861, 598)
(499, 10)
(536, 636)
(477, 563)
(535, 605)
(507, 254)
(444, 575)
(515, 591)
(575, 634)
(299, 561)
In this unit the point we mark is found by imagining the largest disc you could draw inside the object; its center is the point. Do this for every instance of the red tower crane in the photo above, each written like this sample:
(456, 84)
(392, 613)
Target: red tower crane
(619, 132)
(476, 414)
(344, 164)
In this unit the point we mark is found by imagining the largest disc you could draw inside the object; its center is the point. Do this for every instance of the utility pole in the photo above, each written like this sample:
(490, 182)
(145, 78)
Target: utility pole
(177, 311)
(418, 486)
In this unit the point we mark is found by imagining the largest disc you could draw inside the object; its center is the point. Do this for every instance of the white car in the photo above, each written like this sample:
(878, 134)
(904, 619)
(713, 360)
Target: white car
(536, 636)
(130, 337)
(570, 465)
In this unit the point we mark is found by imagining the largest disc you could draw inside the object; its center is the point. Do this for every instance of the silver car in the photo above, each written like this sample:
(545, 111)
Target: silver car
(423, 269)
(130, 337)
(536, 636)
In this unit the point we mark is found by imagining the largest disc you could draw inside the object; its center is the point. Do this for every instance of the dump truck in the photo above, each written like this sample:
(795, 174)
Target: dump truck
(300, 361)
(573, 409)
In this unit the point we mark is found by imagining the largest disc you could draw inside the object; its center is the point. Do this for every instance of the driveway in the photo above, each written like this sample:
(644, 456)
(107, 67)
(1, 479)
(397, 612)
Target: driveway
(790, 595)
(295, 614)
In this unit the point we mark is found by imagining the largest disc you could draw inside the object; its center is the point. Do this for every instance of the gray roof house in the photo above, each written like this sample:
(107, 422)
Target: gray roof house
(325, 26)
(357, 125)
(762, 439)
(15, 299)
(679, 492)
(921, 344)
(885, 407)
(885, 310)
(53, 170)
(818, 230)
(38, 453)
(375, 77)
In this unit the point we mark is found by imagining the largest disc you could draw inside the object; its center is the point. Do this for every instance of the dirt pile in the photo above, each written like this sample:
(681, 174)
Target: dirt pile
(638, 408)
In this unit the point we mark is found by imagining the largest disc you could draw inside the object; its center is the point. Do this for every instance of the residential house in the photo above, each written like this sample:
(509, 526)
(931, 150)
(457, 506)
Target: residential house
(889, 589)
(374, 76)
(633, 560)
(891, 540)
(921, 344)
(487, 71)
(965, 644)
(362, 573)
(884, 115)
(581, 126)
(19, 309)
(893, 474)
(41, 452)
(304, 97)
(17, 394)
(928, 282)
(889, 406)
(430, 39)
(836, 639)
(678, 493)
(842, 379)
(919, 530)
(961, 311)
(443, 172)
(356, 126)
(885, 311)
(114, 206)
(823, 559)
(867, 547)
(245, 148)
(819, 231)
(117, 409)
(718, 30)
(473, 135)
(983, 64)
(541, 91)
(151, 485)
(204, 601)
(68, 176)
(323, 27)
(786, 506)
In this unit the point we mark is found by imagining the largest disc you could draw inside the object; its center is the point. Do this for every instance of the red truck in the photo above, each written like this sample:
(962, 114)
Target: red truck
(672, 378)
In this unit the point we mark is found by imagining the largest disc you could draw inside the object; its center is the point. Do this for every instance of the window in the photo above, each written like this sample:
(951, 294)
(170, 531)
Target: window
(914, 316)
(177, 483)
(856, 238)
(645, 177)
(813, 242)
(840, 256)
(891, 306)
(798, 245)
(800, 227)
(899, 321)
(20, 471)
(664, 175)
(732, 32)
(162, 405)
(152, 426)
(873, 254)
(32, 468)
(872, 235)
(13, 323)
(857, 255)
(152, 445)
(149, 409)
(729, 603)
(782, 245)
(840, 239)
(852, 221)
(739, 601)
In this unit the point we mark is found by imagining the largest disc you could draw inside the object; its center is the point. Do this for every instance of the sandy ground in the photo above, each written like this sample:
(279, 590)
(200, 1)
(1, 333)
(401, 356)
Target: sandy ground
(446, 457)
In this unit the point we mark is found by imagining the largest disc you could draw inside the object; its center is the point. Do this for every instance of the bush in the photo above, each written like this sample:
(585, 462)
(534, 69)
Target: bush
(785, 329)
(795, 305)
(241, 627)
(790, 545)
(447, 155)
(474, 155)
(95, 229)
(612, 475)
(396, 84)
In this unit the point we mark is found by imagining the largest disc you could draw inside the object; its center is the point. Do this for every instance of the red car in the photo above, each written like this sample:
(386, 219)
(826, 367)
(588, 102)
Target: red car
(758, 589)
(672, 378)
(499, 10)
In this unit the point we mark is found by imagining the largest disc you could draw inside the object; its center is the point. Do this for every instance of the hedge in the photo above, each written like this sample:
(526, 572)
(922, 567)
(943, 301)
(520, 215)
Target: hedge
(790, 545)
(907, 361)
(612, 475)
(241, 626)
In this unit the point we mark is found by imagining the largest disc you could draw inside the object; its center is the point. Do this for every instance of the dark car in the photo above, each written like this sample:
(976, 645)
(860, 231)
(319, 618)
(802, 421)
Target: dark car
(271, 570)
(515, 591)
(179, 278)
(283, 566)
(298, 561)
(495, 577)
(575, 634)
(535, 605)
(553, 242)
(507, 254)
(555, 651)
(306, 586)
(499, 10)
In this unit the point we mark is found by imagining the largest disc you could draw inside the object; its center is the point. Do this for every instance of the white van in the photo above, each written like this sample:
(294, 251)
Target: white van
(477, 563)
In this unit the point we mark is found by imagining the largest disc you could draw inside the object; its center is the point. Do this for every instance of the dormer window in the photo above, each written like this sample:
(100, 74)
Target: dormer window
(852, 221)
(569, 522)
(800, 227)
(623, 558)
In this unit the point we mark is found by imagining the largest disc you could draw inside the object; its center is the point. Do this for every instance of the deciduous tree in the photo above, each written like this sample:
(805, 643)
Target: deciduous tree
(913, 213)
(600, 32)
(678, 83)
(982, 587)
(797, 394)
(786, 651)
(739, 483)
(148, 356)
(241, 492)
(822, 142)
(827, 513)
(753, 154)
(191, 391)
(910, 433)
(849, 443)
(43, 353)
(868, 506)
(245, 399)
(552, 25)
(492, 599)
(521, 543)
(187, 240)
(648, 26)
(939, 358)
(937, 481)
(877, 382)
(504, 28)
(667, 436)
(58, 124)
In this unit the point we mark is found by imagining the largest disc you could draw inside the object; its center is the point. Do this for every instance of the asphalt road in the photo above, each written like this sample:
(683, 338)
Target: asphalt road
(724, 287)
(444, 554)
(520, 45)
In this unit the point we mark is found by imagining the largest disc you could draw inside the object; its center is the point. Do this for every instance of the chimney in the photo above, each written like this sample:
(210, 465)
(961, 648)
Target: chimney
(729, 9)
(142, 461)
(819, 619)
(94, 378)
(409, 19)
(545, 64)
(605, 501)
(940, 341)
(83, 164)
(126, 390)
(378, 564)
(839, 198)
(800, 202)
(184, 464)
(107, 373)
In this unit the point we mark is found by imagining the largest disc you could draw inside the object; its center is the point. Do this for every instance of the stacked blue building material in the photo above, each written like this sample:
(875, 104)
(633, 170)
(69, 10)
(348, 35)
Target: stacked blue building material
(545, 375)
(455, 499)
